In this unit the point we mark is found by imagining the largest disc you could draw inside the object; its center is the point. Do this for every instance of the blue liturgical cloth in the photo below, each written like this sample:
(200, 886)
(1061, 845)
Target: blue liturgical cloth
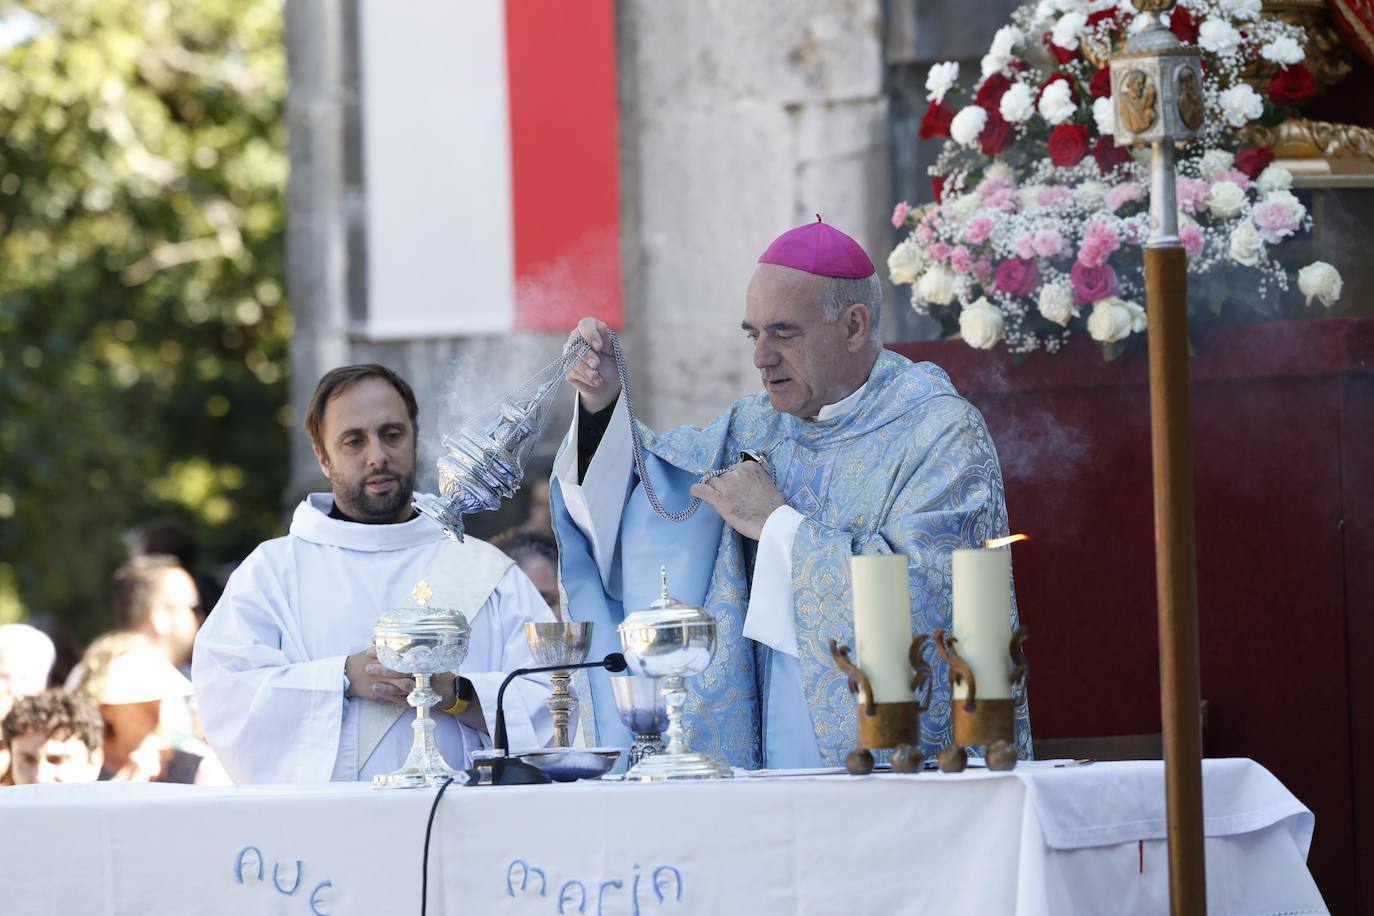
(910, 469)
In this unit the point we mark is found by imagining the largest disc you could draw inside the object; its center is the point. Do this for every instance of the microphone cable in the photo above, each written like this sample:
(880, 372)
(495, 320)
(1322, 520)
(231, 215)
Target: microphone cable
(424, 867)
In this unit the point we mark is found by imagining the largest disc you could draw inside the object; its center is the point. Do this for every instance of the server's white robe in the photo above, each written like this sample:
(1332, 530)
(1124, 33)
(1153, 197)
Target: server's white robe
(268, 665)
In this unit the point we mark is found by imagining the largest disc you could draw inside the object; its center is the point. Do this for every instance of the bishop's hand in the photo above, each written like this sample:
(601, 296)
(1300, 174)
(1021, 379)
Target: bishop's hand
(594, 375)
(744, 496)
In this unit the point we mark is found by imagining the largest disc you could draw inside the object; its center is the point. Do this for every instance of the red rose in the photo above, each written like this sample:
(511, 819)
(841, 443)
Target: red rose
(1063, 55)
(937, 187)
(1109, 155)
(935, 123)
(1292, 86)
(1101, 86)
(1073, 90)
(1254, 159)
(1103, 15)
(990, 93)
(1068, 144)
(997, 133)
(1182, 25)
(1018, 277)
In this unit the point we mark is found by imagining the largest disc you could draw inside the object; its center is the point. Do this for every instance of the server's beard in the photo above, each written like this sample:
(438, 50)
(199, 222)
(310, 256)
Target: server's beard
(354, 499)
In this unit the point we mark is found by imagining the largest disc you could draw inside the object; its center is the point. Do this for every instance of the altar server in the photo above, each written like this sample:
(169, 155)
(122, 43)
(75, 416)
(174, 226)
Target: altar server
(865, 453)
(288, 689)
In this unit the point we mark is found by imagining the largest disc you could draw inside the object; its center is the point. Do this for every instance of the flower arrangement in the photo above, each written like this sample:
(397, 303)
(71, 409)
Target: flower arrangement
(1038, 215)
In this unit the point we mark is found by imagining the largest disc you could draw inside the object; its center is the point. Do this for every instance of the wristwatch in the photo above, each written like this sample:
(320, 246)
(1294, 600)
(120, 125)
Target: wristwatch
(463, 692)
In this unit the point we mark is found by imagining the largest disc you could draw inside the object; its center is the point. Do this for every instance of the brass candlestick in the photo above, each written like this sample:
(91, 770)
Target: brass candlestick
(988, 722)
(887, 725)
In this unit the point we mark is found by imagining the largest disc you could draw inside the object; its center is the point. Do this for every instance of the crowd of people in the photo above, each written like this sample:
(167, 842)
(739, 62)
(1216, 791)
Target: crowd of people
(126, 710)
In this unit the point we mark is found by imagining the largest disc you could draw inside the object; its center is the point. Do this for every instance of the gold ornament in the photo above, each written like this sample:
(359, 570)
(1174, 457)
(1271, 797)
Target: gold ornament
(1137, 109)
(422, 593)
(1191, 108)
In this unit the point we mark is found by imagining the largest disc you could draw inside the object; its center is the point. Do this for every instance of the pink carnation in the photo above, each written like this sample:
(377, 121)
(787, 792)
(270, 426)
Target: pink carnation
(1048, 243)
(1122, 194)
(939, 251)
(1275, 221)
(1191, 237)
(1092, 283)
(1239, 178)
(924, 233)
(1052, 196)
(1192, 194)
(1018, 277)
(978, 230)
(994, 185)
(899, 214)
(960, 259)
(1099, 241)
(1025, 246)
(982, 269)
(1003, 199)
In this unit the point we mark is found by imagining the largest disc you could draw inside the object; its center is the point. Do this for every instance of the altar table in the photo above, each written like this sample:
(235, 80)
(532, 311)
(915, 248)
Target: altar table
(1044, 839)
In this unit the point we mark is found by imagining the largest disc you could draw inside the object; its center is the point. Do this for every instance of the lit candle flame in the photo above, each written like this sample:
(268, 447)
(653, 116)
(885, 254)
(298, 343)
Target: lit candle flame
(1002, 542)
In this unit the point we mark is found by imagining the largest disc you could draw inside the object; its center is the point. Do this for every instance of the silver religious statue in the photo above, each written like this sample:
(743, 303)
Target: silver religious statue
(1157, 97)
(421, 641)
(564, 643)
(672, 641)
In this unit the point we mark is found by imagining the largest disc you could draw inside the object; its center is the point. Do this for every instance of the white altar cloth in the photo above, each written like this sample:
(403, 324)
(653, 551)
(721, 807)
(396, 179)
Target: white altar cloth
(1043, 840)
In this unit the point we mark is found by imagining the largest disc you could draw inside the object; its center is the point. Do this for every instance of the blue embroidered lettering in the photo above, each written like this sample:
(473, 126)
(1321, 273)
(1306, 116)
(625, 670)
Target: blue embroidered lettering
(276, 867)
(564, 899)
(238, 863)
(601, 892)
(658, 885)
(315, 901)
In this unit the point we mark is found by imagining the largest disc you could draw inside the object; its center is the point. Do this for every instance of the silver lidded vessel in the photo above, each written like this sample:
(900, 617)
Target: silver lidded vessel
(672, 641)
(421, 641)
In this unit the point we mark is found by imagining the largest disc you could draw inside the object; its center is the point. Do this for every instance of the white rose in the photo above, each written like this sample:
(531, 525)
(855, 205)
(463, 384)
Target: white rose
(1225, 200)
(1293, 205)
(968, 125)
(1105, 116)
(964, 204)
(1056, 303)
(1007, 38)
(1242, 9)
(1282, 51)
(936, 285)
(991, 64)
(1274, 178)
(1322, 281)
(1018, 103)
(939, 80)
(1056, 105)
(1241, 104)
(905, 263)
(1215, 161)
(1029, 194)
(1114, 319)
(1218, 36)
(1246, 245)
(1090, 195)
(999, 169)
(1067, 29)
(981, 324)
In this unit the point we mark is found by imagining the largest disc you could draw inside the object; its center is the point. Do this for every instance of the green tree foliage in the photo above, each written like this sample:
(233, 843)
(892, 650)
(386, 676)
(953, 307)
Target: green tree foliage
(143, 327)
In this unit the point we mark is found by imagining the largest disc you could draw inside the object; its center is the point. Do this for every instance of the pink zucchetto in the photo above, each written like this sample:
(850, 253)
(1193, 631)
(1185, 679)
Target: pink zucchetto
(819, 249)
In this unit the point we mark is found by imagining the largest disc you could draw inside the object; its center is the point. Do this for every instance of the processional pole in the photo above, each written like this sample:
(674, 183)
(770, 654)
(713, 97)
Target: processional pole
(1157, 96)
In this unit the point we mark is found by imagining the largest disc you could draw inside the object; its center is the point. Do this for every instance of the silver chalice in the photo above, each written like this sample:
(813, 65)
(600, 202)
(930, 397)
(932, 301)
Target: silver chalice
(421, 641)
(639, 700)
(671, 640)
(564, 643)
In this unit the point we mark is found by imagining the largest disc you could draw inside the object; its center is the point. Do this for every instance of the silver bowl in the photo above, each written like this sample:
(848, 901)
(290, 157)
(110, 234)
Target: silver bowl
(639, 700)
(572, 763)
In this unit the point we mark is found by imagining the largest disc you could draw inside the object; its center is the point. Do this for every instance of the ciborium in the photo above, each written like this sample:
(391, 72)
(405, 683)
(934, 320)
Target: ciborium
(563, 643)
(421, 641)
(639, 700)
(672, 641)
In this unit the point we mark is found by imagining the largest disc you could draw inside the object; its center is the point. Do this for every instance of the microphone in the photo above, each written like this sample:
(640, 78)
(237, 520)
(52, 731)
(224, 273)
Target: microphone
(506, 771)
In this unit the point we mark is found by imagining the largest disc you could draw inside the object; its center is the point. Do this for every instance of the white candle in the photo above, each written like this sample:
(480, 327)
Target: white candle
(882, 625)
(982, 620)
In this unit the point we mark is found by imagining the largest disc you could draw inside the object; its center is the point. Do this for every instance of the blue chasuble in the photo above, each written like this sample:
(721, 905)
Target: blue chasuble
(910, 469)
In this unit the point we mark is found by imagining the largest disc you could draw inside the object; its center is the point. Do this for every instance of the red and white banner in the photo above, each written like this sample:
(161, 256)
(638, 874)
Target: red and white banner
(490, 166)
